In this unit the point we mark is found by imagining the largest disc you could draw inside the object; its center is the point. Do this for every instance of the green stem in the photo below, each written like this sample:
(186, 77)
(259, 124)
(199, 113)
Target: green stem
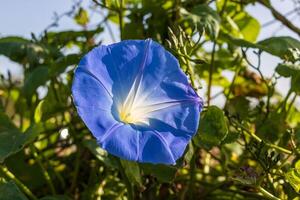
(23, 187)
(284, 102)
(267, 194)
(291, 104)
(76, 170)
(211, 73)
(128, 185)
(283, 150)
(45, 172)
(120, 13)
(191, 186)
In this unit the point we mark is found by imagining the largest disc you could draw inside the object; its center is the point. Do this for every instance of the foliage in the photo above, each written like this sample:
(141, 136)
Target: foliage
(247, 149)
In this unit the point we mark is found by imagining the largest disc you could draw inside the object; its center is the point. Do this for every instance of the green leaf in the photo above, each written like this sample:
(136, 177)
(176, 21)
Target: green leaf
(249, 27)
(100, 153)
(231, 137)
(13, 47)
(63, 38)
(9, 191)
(60, 65)
(34, 79)
(288, 69)
(279, 46)
(132, 171)
(295, 83)
(272, 128)
(297, 166)
(238, 24)
(38, 112)
(82, 17)
(163, 173)
(52, 104)
(12, 139)
(205, 18)
(293, 177)
(32, 177)
(22, 50)
(213, 128)
(238, 107)
(134, 30)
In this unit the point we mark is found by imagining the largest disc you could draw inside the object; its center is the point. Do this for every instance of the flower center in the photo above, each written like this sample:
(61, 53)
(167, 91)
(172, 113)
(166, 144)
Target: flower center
(129, 115)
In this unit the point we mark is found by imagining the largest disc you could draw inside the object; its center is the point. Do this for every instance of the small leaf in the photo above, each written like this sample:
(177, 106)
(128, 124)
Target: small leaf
(288, 69)
(205, 18)
(38, 112)
(82, 17)
(213, 128)
(293, 176)
(100, 153)
(132, 171)
(34, 79)
(9, 191)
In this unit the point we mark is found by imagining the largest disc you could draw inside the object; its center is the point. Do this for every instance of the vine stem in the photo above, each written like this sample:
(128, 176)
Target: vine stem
(267, 194)
(191, 186)
(211, 73)
(45, 172)
(120, 13)
(213, 60)
(76, 170)
(128, 184)
(21, 185)
(283, 150)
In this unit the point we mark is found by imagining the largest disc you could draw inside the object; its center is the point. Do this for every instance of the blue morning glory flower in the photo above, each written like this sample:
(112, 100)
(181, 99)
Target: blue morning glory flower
(136, 101)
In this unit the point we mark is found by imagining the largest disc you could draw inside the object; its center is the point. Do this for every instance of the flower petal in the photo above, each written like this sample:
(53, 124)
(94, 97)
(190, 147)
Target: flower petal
(123, 141)
(154, 148)
(93, 103)
(88, 91)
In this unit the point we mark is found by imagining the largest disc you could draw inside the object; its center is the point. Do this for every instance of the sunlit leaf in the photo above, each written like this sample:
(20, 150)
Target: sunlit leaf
(293, 177)
(82, 17)
(100, 153)
(248, 26)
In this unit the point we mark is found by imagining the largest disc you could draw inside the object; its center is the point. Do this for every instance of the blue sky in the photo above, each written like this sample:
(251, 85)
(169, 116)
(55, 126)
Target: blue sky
(20, 17)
